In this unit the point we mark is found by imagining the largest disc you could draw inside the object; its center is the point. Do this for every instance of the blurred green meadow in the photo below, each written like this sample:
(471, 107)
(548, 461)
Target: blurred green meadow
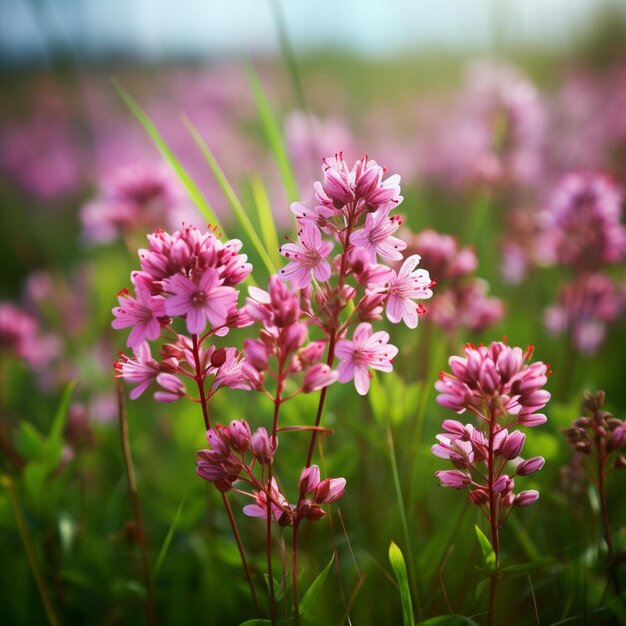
(70, 546)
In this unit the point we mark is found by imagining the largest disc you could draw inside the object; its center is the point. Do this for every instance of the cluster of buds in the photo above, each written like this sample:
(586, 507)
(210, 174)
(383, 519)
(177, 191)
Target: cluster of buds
(496, 381)
(235, 452)
(597, 432)
(582, 231)
(585, 308)
(462, 298)
(285, 337)
(468, 450)
(224, 463)
(497, 384)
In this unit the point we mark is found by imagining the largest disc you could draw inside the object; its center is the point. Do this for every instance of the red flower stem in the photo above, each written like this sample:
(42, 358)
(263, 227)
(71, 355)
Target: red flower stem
(277, 402)
(199, 378)
(493, 518)
(602, 455)
(602, 490)
(331, 348)
(140, 533)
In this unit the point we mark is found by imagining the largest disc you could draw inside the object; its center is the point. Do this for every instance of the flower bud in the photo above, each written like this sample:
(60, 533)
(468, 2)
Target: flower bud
(218, 357)
(309, 479)
(240, 435)
(530, 465)
(513, 445)
(257, 354)
(524, 498)
(330, 490)
(318, 377)
(261, 446)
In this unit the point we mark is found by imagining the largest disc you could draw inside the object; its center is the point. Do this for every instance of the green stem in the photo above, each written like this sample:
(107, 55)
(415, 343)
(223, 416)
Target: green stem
(403, 516)
(30, 554)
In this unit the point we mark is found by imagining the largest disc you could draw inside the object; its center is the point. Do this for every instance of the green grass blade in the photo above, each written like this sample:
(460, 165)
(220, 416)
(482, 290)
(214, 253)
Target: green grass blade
(269, 232)
(399, 497)
(192, 189)
(231, 196)
(274, 135)
(489, 555)
(288, 53)
(311, 596)
(168, 538)
(399, 570)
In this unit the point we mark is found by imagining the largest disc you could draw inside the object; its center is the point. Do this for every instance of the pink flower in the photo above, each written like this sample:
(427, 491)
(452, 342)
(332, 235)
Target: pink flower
(141, 313)
(206, 300)
(376, 236)
(141, 370)
(308, 257)
(367, 349)
(405, 286)
(279, 504)
(173, 388)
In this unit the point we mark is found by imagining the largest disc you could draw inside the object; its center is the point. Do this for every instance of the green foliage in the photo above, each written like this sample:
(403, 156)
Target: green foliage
(312, 595)
(489, 556)
(399, 571)
(273, 135)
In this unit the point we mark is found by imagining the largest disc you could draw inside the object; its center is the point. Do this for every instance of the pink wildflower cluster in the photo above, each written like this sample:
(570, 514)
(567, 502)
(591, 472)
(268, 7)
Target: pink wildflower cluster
(21, 338)
(462, 300)
(190, 276)
(582, 232)
(235, 453)
(500, 386)
(493, 135)
(134, 198)
(353, 209)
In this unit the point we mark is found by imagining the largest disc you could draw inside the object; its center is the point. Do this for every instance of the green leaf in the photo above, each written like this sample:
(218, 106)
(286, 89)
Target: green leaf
(192, 189)
(399, 569)
(29, 441)
(278, 588)
(488, 553)
(310, 597)
(35, 475)
(53, 446)
(231, 196)
(448, 620)
(523, 569)
(269, 231)
(168, 538)
(273, 134)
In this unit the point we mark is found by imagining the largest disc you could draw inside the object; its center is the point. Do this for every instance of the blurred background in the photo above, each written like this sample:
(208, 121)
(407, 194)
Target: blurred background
(496, 114)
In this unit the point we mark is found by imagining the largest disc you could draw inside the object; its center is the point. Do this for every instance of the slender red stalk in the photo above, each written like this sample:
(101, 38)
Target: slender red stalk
(199, 378)
(140, 533)
(493, 518)
(270, 467)
(602, 456)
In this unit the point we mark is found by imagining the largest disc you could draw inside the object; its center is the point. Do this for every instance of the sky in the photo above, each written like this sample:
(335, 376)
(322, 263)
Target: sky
(156, 30)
